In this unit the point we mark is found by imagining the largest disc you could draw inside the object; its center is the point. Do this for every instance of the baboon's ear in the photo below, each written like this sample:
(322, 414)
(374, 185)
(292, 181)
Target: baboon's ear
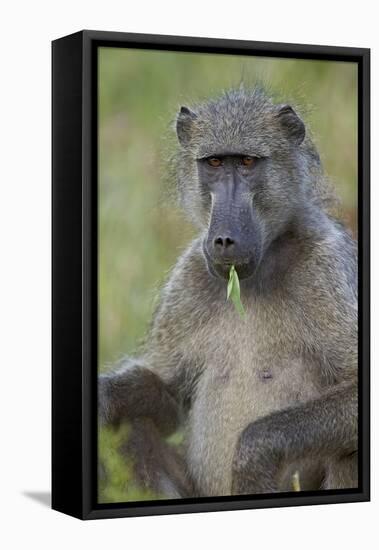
(291, 123)
(184, 124)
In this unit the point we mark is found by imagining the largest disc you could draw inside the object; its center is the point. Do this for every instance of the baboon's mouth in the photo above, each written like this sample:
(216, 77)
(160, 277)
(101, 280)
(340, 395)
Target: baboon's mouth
(221, 270)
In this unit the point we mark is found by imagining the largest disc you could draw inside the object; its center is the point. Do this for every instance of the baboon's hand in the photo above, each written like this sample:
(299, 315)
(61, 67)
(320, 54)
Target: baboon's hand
(136, 392)
(257, 459)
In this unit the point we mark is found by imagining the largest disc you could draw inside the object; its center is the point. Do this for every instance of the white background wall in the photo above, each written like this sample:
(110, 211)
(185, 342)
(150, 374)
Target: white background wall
(26, 31)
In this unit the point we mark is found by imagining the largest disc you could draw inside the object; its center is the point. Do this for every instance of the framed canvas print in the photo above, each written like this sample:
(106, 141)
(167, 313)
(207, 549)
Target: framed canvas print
(210, 275)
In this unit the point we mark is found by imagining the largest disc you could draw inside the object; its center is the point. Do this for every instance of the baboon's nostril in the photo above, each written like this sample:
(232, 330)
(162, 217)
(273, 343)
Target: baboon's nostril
(223, 242)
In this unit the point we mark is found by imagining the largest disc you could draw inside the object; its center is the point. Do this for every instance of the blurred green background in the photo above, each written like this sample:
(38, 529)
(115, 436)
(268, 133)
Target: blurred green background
(141, 231)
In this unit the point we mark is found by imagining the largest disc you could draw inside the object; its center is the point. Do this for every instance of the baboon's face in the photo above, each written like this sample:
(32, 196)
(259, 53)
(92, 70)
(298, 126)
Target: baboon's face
(240, 176)
(234, 234)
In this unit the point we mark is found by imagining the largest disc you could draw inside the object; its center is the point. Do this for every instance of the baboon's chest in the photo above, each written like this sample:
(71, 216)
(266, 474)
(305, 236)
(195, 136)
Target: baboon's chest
(248, 375)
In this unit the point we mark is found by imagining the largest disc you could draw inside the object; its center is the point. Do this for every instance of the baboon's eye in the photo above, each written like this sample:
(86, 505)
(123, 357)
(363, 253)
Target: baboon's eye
(214, 161)
(248, 161)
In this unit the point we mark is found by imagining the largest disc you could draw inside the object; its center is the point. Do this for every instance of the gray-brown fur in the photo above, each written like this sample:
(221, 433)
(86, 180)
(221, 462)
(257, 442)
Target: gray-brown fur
(264, 396)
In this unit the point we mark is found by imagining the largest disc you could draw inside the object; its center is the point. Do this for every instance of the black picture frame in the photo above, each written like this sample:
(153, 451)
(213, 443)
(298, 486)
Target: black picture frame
(74, 272)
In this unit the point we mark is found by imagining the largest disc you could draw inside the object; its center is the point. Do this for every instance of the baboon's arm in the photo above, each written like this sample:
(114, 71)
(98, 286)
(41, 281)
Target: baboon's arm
(323, 427)
(135, 392)
(157, 385)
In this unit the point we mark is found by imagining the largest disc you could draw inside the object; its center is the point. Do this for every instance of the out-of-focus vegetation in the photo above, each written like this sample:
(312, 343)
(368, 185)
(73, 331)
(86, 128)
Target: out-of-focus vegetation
(141, 232)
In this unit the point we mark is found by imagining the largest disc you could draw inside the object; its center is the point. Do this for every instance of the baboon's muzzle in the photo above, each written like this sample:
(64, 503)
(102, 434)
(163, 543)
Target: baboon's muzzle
(234, 235)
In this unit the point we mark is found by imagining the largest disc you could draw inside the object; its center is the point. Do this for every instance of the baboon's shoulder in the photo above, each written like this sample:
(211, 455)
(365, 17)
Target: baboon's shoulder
(328, 268)
(190, 292)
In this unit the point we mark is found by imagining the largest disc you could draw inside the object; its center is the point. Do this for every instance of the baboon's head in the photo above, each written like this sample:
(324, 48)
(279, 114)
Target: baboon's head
(240, 169)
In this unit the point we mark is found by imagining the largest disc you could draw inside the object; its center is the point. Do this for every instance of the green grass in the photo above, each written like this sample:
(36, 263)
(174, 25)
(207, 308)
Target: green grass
(141, 232)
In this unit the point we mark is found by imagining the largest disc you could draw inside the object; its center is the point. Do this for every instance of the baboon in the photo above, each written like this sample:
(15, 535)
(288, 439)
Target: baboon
(261, 397)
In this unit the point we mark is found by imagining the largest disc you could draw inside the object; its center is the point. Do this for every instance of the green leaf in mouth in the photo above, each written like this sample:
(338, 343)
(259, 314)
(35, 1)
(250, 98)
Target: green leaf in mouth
(233, 292)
